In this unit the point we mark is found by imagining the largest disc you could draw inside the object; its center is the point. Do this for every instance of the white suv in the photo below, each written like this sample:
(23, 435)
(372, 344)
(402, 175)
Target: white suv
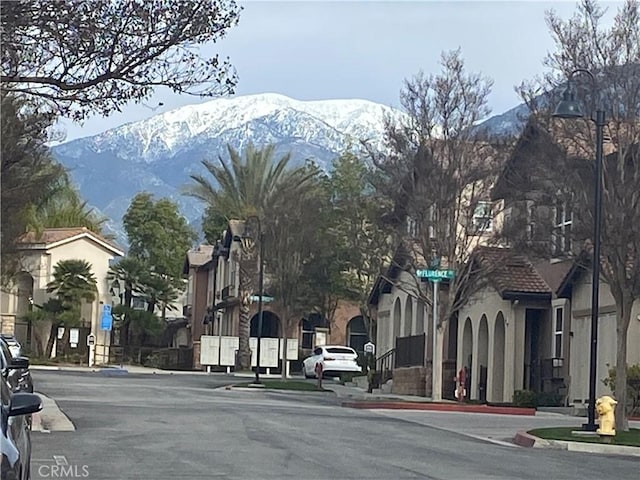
(334, 360)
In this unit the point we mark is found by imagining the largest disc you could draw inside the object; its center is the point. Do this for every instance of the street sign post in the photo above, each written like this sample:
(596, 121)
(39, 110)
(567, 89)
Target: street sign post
(435, 276)
(91, 343)
(106, 321)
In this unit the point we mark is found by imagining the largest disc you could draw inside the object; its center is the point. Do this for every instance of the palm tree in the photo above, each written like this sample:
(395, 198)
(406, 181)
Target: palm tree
(73, 283)
(130, 271)
(62, 208)
(246, 185)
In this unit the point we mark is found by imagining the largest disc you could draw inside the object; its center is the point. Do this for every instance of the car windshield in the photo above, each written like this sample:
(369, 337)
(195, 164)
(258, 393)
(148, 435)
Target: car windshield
(5, 351)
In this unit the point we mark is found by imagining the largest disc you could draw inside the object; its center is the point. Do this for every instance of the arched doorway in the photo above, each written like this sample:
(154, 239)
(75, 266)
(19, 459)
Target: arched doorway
(497, 394)
(483, 358)
(408, 317)
(270, 325)
(396, 320)
(357, 334)
(467, 353)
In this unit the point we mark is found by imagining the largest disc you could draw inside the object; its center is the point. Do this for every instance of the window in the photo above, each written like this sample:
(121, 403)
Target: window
(306, 333)
(557, 335)
(563, 220)
(531, 220)
(138, 303)
(431, 216)
(357, 333)
(482, 220)
(412, 227)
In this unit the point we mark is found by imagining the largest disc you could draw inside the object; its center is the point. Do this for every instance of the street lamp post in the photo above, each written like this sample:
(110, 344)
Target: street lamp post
(570, 108)
(249, 234)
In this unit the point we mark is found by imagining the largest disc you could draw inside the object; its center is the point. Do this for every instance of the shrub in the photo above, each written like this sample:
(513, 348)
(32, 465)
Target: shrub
(549, 400)
(524, 398)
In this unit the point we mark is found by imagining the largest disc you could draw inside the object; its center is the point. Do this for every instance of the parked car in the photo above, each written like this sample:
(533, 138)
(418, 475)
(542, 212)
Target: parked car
(14, 346)
(17, 374)
(334, 360)
(15, 425)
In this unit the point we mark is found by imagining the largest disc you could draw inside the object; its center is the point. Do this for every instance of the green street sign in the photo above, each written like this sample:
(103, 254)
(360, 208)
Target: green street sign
(436, 275)
(265, 299)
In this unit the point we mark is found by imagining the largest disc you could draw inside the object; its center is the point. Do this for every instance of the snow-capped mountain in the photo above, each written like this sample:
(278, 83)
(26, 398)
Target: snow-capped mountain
(158, 154)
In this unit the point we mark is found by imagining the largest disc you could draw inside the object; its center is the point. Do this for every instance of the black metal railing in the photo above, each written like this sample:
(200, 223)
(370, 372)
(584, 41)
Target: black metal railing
(410, 351)
(384, 365)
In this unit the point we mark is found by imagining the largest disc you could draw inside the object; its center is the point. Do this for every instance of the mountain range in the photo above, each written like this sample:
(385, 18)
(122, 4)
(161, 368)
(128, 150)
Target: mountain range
(160, 153)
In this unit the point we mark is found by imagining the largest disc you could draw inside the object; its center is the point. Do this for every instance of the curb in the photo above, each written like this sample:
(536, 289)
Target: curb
(442, 407)
(50, 418)
(527, 440)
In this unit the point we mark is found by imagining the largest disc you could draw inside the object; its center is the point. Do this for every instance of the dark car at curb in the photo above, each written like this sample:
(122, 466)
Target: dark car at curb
(16, 409)
(18, 375)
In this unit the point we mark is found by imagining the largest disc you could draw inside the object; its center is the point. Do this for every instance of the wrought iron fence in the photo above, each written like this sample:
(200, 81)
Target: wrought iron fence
(410, 351)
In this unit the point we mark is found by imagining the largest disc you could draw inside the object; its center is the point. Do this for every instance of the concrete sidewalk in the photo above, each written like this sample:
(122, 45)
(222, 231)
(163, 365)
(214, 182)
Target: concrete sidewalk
(503, 425)
(50, 418)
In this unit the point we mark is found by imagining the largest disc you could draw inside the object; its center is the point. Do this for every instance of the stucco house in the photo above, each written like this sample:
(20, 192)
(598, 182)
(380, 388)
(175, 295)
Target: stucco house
(39, 256)
(528, 326)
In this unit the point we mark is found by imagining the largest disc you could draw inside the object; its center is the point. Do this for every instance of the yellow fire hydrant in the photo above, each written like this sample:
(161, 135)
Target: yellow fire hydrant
(605, 406)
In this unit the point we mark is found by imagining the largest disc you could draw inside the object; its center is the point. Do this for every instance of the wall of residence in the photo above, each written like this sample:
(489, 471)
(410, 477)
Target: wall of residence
(40, 264)
(607, 343)
(342, 316)
(400, 313)
(491, 332)
(199, 306)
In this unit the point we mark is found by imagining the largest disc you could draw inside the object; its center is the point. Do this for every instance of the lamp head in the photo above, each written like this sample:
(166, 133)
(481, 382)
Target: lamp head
(568, 107)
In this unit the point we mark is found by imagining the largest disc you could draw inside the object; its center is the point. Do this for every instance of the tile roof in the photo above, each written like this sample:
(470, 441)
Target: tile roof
(51, 236)
(554, 273)
(510, 272)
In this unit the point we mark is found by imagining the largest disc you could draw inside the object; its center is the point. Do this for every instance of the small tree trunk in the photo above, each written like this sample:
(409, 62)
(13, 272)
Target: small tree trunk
(285, 322)
(623, 319)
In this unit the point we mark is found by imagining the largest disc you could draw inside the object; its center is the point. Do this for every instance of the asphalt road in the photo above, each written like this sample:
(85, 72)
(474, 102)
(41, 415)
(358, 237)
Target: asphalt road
(159, 427)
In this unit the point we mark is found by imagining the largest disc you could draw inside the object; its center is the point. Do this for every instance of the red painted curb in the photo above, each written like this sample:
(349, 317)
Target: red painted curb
(442, 407)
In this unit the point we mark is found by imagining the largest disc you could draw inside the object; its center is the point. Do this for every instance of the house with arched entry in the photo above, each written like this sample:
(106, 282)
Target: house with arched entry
(28, 289)
(401, 307)
(213, 304)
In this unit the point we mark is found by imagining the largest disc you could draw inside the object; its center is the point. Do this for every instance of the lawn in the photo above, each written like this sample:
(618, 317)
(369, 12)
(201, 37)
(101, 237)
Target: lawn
(630, 438)
(287, 385)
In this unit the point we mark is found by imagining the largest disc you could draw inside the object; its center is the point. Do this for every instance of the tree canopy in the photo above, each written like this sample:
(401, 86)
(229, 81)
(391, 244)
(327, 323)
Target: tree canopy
(80, 56)
(158, 234)
(29, 175)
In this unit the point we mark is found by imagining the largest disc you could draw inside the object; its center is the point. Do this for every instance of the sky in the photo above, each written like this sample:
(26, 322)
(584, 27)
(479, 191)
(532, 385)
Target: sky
(316, 50)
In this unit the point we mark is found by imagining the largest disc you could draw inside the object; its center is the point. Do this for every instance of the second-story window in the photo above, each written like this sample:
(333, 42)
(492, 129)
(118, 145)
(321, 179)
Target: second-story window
(563, 221)
(483, 217)
(412, 227)
(557, 337)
